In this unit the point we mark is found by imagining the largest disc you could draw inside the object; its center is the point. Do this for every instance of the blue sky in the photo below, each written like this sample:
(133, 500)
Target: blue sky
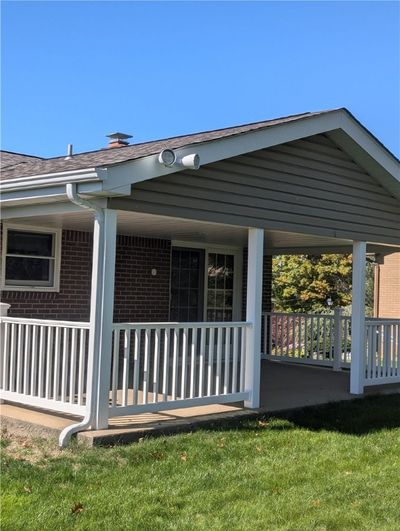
(74, 71)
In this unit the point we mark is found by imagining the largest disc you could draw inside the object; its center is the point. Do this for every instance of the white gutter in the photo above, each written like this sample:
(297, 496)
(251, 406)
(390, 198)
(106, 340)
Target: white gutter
(47, 179)
(93, 360)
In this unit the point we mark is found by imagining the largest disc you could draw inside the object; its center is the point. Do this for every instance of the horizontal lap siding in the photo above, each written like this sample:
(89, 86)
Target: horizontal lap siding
(305, 186)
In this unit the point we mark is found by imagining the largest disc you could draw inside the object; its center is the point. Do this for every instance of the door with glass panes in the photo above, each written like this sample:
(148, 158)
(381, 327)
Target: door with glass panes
(203, 285)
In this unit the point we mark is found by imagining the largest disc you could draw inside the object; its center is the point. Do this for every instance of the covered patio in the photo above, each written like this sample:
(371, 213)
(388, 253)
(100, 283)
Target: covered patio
(280, 188)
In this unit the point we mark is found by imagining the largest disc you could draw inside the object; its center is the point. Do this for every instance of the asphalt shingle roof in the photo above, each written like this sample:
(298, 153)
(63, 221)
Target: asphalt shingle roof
(105, 157)
(9, 159)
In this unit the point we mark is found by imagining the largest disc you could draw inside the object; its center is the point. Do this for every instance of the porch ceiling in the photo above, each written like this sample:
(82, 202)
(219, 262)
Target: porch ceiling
(163, 227)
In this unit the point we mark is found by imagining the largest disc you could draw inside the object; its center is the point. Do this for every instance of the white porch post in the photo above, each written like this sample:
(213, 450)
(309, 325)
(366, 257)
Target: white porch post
(101, 309)
(357, 370)
(253, 315)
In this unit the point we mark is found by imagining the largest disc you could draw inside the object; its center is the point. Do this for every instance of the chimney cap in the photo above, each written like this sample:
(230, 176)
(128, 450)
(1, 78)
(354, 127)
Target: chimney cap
(118, 136)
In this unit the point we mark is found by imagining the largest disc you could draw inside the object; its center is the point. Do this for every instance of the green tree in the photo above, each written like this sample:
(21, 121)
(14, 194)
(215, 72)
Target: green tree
(305, 283)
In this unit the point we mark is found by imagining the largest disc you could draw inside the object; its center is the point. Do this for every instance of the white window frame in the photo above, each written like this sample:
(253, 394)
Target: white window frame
(55, 287)
(237, 252)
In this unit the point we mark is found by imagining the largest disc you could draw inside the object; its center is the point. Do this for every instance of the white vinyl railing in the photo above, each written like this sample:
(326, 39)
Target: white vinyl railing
(326, 340)
(44, 363)
(159, 366)
(383, 351)
(308, 338)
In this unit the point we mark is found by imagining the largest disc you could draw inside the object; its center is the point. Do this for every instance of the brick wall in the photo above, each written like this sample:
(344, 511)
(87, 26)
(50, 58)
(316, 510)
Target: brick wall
(139, 296)
(387, 287)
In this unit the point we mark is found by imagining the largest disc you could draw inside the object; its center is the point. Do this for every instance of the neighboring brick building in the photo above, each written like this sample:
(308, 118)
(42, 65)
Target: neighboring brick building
(387, 287)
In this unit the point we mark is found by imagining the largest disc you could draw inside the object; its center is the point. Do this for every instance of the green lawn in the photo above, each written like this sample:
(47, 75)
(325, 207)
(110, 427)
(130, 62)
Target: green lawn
(332, 467)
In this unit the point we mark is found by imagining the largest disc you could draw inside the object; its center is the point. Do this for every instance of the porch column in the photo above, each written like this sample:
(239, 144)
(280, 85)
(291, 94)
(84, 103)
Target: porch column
(101, 310)
(357, 370)
(253, 315)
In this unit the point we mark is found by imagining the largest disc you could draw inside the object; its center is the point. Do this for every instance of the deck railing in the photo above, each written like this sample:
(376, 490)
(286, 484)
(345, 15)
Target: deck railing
(383, 351)
(158, 366)
(308, 338)
(44, 363)
(320, 339)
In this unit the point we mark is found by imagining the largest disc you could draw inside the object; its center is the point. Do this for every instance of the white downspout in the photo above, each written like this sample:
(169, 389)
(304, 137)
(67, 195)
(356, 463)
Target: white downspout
(91, 397)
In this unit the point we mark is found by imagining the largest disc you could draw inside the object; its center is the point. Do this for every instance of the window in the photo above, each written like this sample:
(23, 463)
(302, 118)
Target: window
(31, 258)
(220, 275)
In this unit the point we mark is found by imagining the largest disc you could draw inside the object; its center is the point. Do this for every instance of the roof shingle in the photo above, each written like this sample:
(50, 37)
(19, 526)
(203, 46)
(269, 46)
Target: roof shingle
(106, 157)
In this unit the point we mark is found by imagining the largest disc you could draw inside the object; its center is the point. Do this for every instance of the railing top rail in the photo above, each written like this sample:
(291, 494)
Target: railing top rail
(377, 321)
(169, 324)
(45, 322)
(293, 314)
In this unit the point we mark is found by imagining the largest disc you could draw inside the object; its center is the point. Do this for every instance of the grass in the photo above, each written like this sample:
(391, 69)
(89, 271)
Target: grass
(334, 467)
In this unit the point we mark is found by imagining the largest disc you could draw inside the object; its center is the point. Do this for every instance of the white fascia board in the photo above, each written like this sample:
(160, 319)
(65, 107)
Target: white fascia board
(146, 168)
(370, 144)
(368, 153)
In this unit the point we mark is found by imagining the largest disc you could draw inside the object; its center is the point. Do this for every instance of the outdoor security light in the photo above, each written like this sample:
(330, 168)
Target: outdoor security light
(167, 157)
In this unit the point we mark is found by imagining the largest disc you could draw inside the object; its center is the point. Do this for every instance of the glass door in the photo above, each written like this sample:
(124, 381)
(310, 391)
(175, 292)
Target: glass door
(187, 285)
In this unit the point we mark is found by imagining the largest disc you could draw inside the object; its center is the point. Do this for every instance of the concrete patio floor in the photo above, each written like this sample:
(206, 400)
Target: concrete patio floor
(283, 387)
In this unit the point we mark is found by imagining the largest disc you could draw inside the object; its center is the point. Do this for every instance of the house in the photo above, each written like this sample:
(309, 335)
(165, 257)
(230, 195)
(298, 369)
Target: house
(387, 286)
(137, 276)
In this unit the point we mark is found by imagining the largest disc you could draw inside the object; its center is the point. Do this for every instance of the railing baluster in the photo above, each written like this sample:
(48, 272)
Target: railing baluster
(115, 367)
(210, 362)
(72, 370)
(27, 358)
(56, 373)
(156, 367)
(34, 361)
(271, 331)
(184, 362)
(12, 357)
(219, 360)
(41, 362)
(175, 363)
(203, 335)
(125, 374)
(166, 365)
(147, 339)
(235, 359)
(193, 362)
(136, 365)
(81, 374)
(227, 358)
(242, 358)
(49, 365)
(19, 358)
(6, 356)
(64, 374)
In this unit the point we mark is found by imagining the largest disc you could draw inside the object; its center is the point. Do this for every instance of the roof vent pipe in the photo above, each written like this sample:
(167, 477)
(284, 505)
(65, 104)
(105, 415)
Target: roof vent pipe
(69, 151)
